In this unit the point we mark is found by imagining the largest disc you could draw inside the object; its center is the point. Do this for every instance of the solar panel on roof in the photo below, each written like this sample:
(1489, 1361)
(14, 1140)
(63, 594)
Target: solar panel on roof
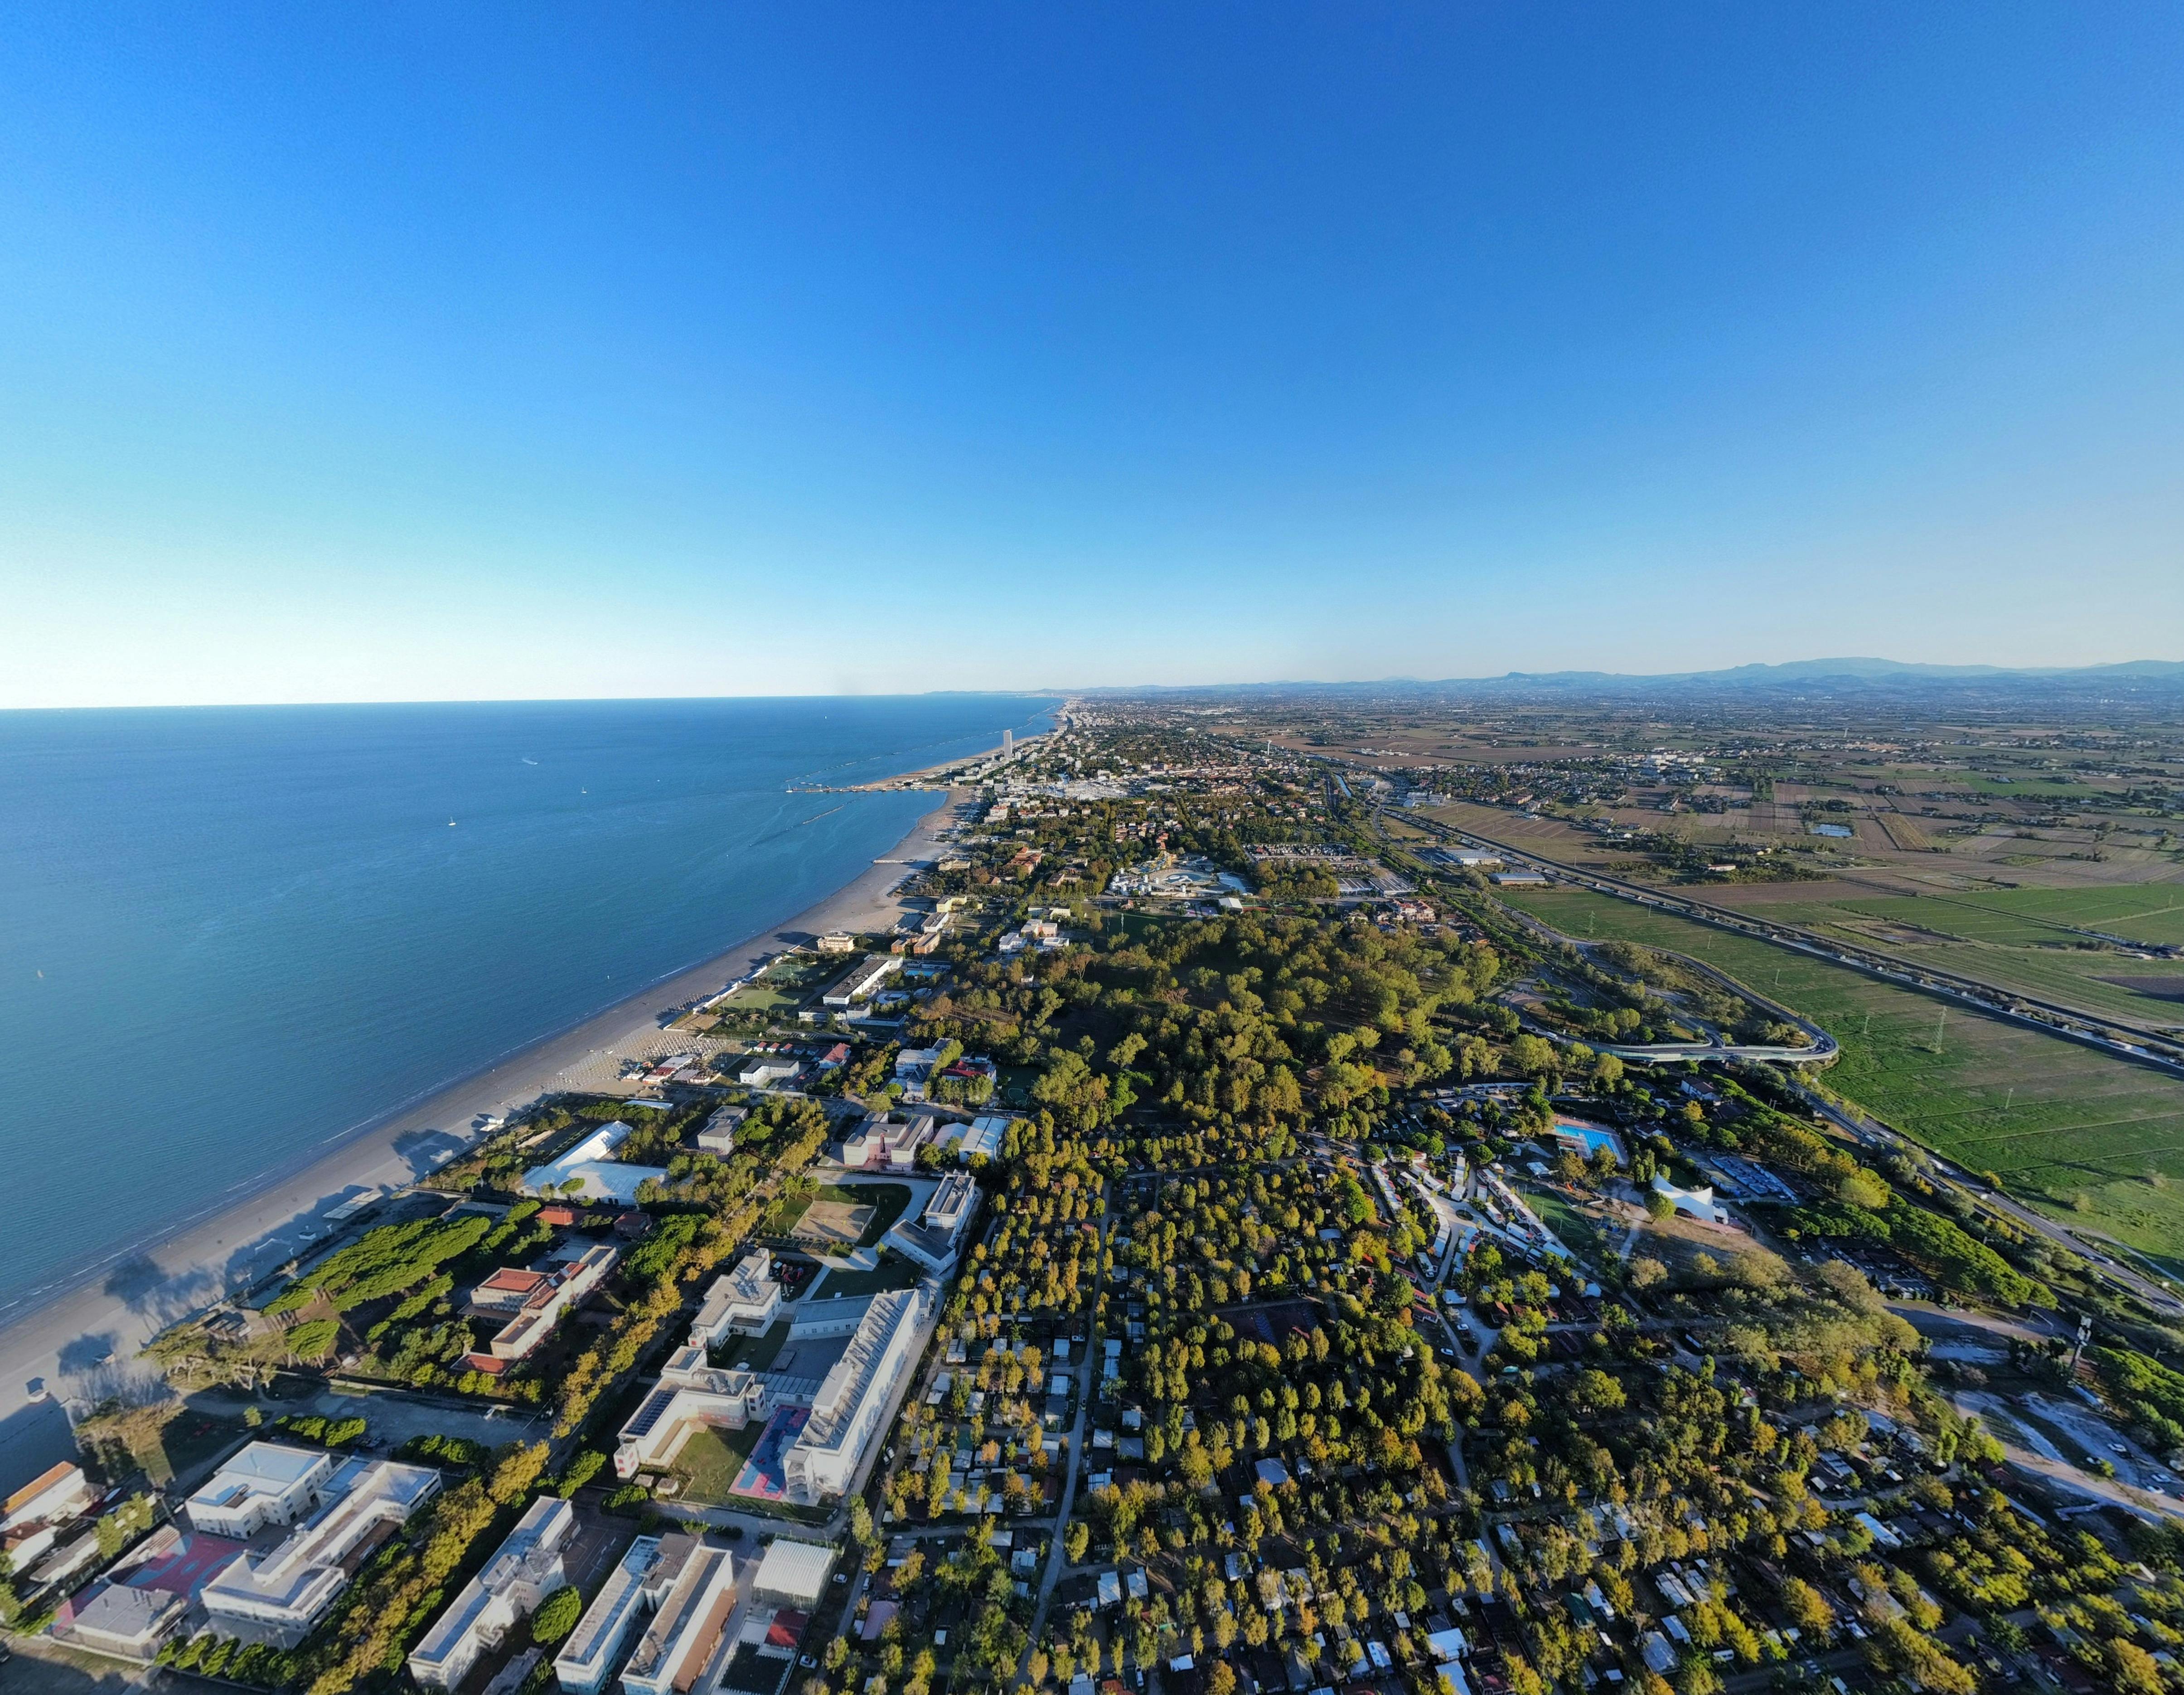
(648, 1415)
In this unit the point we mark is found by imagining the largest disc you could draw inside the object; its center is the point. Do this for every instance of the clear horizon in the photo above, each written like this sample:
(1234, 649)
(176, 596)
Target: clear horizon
(531, 354)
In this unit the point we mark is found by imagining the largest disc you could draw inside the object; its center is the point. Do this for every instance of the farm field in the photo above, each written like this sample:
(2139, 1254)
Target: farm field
(2025, 939)
(2097, 1142)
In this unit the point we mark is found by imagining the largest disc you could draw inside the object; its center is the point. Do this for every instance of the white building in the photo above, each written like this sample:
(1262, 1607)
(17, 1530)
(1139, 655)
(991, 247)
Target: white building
(267, 1483)
(983, 1135)
(121, 1619)
(876, 1144)
(935, 1239)
(277, 1596)
(852, 1402)
(51, 1497)
(690, 1394)
(696, 1596)
(587, 1165)
(861, 981)
(524, 1571)
(719, 1135)
(768, 1069)
(534, 1302)
(587, 1659)
(793, 1574)
(746, 1300)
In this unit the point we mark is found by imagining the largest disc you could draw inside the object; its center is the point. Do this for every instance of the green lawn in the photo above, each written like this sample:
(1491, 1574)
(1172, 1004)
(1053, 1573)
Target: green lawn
(2023, 940)
(2099, 1141)
(893, 1272)
(1579, 1230)
(711, 1460)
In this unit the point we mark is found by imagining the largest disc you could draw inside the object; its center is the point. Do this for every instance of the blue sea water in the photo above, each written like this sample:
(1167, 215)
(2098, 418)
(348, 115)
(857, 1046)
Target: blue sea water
(229, 935)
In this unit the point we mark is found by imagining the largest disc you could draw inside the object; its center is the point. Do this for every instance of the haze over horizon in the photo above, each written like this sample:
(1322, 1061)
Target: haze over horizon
(534, 352)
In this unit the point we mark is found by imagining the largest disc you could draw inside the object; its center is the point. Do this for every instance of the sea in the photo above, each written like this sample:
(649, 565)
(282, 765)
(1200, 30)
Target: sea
(227, 935)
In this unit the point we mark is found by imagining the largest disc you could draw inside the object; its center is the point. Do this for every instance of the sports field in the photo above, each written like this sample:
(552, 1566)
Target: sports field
(2096, 1141)
(763, 1477)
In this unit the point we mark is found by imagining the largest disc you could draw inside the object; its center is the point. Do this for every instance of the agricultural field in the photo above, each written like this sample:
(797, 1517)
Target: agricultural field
(2047, 943)
(2098, 1142)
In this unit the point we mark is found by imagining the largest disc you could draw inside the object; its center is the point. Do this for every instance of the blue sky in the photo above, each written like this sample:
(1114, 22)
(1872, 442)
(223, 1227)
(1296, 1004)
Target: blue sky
(521, 350)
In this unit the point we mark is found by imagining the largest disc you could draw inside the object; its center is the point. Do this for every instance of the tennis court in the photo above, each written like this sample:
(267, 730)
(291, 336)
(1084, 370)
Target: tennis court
(765, 1475)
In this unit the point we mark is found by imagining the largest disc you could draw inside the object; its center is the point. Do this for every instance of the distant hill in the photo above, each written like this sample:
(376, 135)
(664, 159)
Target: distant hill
(2139, 676)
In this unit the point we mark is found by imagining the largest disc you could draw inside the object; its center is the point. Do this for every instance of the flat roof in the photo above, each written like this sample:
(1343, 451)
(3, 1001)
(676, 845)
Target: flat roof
(260, 1469)
(795, 1568)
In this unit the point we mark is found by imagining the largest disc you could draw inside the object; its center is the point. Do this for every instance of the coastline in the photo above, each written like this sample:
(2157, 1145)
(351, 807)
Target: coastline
(81, 1340)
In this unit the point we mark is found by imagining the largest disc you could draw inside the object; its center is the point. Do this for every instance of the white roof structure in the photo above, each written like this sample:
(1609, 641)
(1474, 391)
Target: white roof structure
(279, 1595)
(588, 1656)
(525, 1570)
(1698, 1202)
(852, 1402)
(265, 1483)
(588, 1164)
(794, 1573)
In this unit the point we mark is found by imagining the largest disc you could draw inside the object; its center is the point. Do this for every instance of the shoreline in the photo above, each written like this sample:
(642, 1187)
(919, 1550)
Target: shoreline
(80, 1339)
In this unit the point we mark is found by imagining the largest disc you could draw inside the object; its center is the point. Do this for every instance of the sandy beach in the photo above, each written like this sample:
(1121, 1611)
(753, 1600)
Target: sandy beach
(81, 1342)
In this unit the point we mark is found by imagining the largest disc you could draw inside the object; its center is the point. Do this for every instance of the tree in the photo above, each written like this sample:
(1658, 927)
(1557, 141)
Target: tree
(1075, 1540)
(1220, 1680)
(312, 1341)
(556, 1616)
(1863, 1188)
(1532, 1055)
(515, 1469)
(1647, 1272)
(1808, 1609)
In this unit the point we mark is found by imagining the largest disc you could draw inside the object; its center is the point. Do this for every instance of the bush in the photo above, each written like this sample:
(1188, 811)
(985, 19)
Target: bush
(556, 1617)
(444, 1450)
(629, 1497)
